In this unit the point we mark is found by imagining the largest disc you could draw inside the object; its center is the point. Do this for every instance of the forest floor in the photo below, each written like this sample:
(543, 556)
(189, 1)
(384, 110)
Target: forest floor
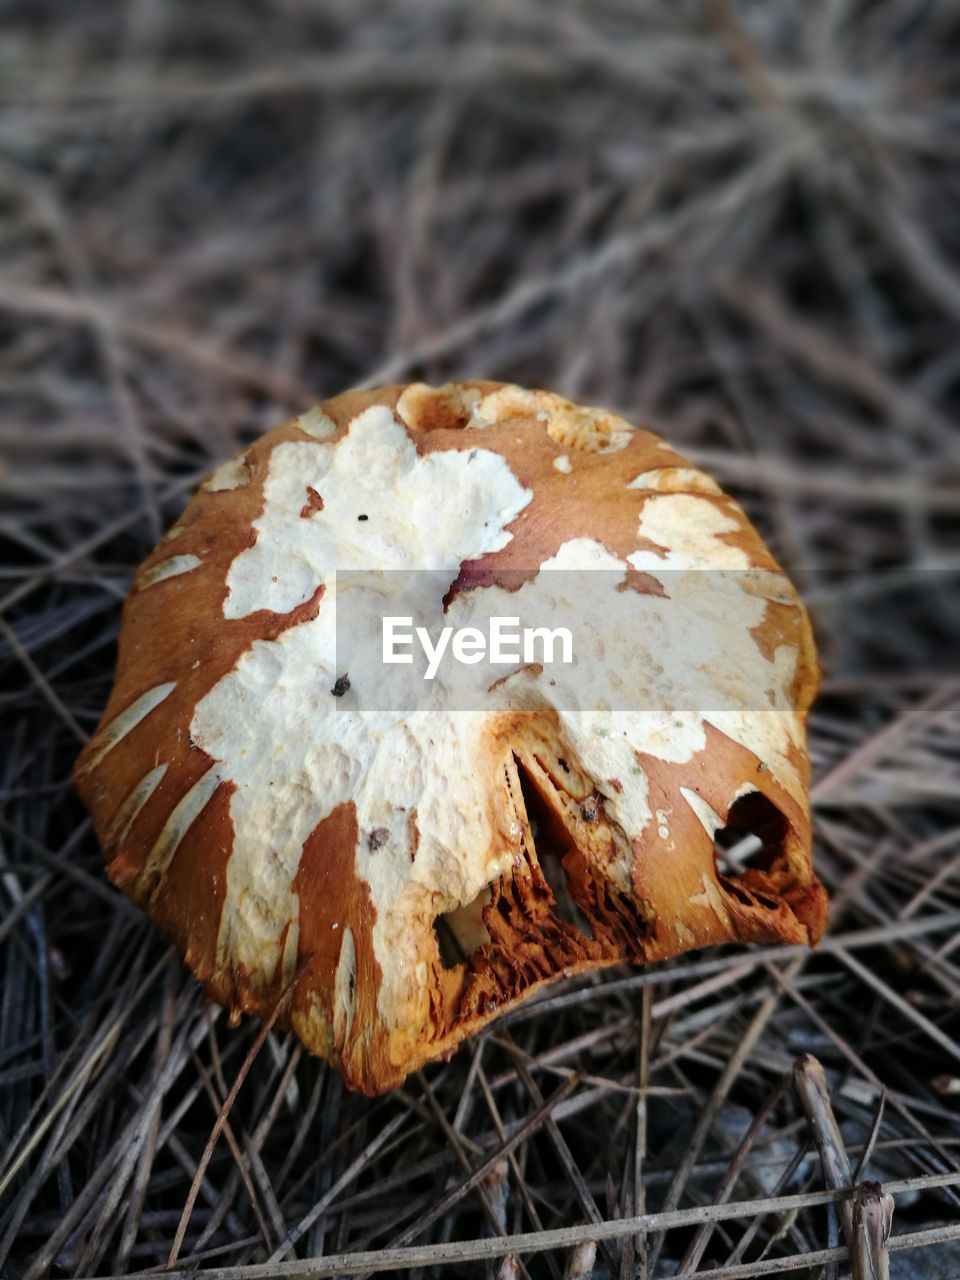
(737, 223)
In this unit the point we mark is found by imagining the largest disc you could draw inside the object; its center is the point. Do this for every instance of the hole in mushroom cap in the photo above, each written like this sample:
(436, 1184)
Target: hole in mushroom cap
(748, 845)
(753, 835)
(427, 408)
(551, 843)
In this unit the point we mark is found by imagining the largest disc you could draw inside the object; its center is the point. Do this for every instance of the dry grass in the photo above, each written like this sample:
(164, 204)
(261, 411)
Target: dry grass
(738, 222)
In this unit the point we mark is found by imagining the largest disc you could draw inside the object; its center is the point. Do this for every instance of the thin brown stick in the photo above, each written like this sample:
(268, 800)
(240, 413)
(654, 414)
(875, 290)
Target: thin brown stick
(397, 1259)
(219, 1123)
(810, 1085)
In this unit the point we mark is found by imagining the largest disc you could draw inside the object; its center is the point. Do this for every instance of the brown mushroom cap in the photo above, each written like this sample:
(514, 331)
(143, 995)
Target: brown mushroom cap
(291, 840)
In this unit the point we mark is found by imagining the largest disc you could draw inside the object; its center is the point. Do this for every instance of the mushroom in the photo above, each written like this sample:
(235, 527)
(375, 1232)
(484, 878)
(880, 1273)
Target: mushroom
(396, 879)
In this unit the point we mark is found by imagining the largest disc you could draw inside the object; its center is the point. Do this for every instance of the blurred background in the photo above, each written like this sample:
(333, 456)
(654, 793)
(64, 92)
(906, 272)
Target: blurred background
(735, 222)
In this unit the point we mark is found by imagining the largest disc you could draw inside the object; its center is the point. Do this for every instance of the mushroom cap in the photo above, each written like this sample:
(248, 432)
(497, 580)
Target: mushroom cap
(397, 877)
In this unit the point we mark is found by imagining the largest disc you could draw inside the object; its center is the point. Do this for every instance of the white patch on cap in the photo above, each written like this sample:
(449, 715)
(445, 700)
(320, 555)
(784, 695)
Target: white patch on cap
(618, 440)
(674, 479)
(769, 585)
(295, 751)
(385, 507)
(232, 474)
(689, 527)
(127, 814)
(663, 666)
(581, 554)
(118, 728)
(345, 989)
(316, 423)
(671, 736)
(718, 583)
(573, 426)
(563, 464)
(291, 948)
(711, 896)
(180, 821)
(707, 816)
(171, 568)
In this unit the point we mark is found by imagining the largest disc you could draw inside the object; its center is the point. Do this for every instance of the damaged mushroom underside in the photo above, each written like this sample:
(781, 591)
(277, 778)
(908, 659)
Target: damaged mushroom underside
(400, 881)
(559, 909)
